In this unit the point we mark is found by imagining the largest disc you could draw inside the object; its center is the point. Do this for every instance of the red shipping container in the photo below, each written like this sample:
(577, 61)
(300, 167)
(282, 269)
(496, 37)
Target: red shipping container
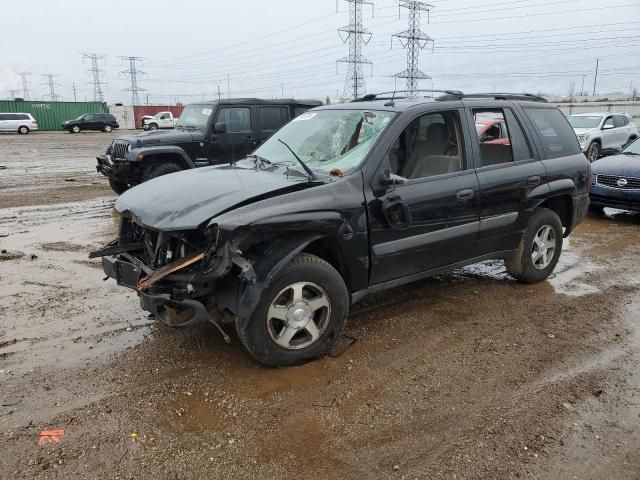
(140, 111)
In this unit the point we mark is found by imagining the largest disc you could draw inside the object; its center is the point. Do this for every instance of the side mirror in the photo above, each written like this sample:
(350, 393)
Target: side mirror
(607, 127)
(220, 128)
(389, 178)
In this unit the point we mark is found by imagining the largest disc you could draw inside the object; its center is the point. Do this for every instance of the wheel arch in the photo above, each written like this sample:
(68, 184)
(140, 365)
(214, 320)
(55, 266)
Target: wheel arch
(155, 155)
(562, 205)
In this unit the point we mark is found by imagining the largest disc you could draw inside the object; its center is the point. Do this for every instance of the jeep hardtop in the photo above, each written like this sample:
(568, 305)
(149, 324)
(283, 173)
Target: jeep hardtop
(207, 133)
(347, 200)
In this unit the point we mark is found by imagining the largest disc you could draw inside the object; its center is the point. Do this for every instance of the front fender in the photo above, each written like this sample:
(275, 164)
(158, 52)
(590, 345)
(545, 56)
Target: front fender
(171, 150)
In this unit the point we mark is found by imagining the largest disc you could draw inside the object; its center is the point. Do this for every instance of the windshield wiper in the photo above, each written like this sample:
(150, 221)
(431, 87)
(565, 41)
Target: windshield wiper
(260, 159)
(306, 169)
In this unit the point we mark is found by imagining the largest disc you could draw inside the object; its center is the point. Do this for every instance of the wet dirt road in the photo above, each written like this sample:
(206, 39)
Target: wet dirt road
(467, 375)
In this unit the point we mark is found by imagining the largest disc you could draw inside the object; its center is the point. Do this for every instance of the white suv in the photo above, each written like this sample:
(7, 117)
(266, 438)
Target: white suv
(22, 123)
(600, 133)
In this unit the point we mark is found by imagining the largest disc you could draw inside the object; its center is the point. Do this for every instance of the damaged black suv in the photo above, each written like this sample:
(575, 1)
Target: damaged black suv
(346, 200)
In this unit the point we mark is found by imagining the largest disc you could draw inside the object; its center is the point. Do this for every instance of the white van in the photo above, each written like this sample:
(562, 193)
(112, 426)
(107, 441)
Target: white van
(22, 123)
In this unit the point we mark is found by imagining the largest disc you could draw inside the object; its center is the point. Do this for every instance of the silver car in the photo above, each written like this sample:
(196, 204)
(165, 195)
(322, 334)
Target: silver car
(22, 123)
(601, 133)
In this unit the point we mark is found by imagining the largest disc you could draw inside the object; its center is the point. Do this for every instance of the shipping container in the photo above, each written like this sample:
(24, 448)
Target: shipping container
(51, 115)
(140, 111)
(124, 115)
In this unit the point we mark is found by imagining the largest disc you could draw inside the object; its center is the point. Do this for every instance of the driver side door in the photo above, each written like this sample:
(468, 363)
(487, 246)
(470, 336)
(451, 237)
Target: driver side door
(429, 217)
(238, 140)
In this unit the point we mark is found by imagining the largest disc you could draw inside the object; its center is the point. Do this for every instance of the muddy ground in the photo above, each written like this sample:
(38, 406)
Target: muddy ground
(467, 375)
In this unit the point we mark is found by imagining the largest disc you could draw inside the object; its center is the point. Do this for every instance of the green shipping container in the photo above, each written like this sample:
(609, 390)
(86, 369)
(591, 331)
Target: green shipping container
(51, 115)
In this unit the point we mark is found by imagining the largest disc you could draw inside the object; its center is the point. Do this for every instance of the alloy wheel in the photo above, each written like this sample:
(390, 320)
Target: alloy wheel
(544, 247)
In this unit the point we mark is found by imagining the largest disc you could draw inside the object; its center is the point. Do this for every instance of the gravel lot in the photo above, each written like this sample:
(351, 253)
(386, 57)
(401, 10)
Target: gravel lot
(466, 375)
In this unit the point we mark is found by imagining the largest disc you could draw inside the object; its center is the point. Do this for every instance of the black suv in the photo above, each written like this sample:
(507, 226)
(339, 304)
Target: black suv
(346, 200)
(206, 134)
(104, 122)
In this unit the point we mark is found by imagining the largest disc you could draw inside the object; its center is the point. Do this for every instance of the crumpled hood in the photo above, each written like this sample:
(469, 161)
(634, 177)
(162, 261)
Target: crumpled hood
(184, 200)
(621, 165)
(159, 137)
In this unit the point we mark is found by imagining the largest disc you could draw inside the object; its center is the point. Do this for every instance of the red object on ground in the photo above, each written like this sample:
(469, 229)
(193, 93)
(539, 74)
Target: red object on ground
(140, 111)
(50, 436)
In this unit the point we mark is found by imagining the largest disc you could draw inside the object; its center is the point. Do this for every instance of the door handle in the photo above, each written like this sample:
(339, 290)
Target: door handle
(534, 180)
(464, 195)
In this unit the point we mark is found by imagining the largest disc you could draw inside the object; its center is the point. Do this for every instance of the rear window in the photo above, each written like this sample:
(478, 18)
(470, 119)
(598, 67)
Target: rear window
(557, 136)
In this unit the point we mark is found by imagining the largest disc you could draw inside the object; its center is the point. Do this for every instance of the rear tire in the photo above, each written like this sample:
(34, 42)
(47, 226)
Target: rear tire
(307, 290)
(160, 169)
(632, 138)
(593, 152)
(596, 209)
(539, 248)
(118, 187)
(23, 130)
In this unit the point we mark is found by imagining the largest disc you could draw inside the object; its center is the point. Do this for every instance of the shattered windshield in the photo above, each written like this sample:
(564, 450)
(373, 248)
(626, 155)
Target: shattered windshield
(326, 140)
(195, 116)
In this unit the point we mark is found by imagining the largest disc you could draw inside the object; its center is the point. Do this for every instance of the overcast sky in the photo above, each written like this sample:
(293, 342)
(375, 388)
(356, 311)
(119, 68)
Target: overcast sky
(270, 47)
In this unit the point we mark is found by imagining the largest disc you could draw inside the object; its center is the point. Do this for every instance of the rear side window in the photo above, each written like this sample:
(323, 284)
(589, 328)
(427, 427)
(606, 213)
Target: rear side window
(500, 137)
(237, 119)
(272, 118)
(619, 121)
(557, 136)
(300, 110)
(4, 117)
(22, 117)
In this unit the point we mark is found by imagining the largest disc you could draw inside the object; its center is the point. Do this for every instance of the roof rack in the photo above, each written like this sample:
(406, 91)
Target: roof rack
(393, 95)
(496, 96)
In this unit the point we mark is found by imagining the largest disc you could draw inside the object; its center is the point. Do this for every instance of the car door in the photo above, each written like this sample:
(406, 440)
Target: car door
(89, 122)
(608, 133)
(4, 122)
(270, 119)
(423, 207)
(621, 131)
(239, 137)
(508, 173)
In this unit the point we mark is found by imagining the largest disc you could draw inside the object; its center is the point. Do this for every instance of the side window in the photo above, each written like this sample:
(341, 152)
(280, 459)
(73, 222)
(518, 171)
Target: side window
(500, 137)
(164, 116)
(272, 118)
(557, 137)
(3, 117)
(618, 121)
(89, 118)
(299, 111)
(430, 145)
(608, 122)
(238, 119)
(22, 117)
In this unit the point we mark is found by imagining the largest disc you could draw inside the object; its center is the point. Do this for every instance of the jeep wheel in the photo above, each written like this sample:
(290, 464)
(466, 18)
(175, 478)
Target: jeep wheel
(153, 126)
(75, 129)
(593, 152)
(539, 249)
(160, 169)
(107, 129)
(23, 130)
(299, 316)
(118, 187)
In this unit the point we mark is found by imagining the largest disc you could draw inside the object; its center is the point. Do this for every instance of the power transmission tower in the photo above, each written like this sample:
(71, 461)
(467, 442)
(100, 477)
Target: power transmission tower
(52, 86)
(14, 93)
(24, 76)
(133, 73)
(414, 40)
(356, 36)
(95, 72)
(75, 95)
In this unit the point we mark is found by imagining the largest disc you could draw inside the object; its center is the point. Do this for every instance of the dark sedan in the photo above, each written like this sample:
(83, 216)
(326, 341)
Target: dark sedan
(616, 180)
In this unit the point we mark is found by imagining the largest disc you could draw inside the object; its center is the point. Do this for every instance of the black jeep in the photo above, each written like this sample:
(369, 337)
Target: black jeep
(347, 200)
(206, 134)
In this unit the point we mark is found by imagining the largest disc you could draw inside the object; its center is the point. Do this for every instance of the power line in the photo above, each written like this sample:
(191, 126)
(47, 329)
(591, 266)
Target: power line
(357, 36)
(133, 73)
(414, 40)
(24, 77)
(95, 72)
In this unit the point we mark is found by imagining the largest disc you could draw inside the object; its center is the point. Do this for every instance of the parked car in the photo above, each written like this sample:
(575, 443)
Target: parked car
(207, 133)
(616, 180)
(603, 133)
(347, 200)
(160, 120)
(23, 123)
(104, 122)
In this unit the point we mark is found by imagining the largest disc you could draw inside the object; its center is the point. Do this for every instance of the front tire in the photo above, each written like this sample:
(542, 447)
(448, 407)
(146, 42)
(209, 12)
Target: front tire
(107, 129)
(118, 187)
(300, 315)
(160, 169)
(153, 126)
(75, 129)
(593, 152)
(539, 248)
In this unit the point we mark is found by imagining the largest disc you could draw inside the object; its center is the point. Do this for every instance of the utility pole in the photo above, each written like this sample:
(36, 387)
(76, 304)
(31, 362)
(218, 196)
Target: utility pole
(281, 90)
(228, 86)
(595, 79)
(356, 36)
(219, 94)
(133, 73)
(582, 88)
(95, 72)
(75, 96)
(24, 76)
(147, 99)
(414, 40)
(51, 84)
